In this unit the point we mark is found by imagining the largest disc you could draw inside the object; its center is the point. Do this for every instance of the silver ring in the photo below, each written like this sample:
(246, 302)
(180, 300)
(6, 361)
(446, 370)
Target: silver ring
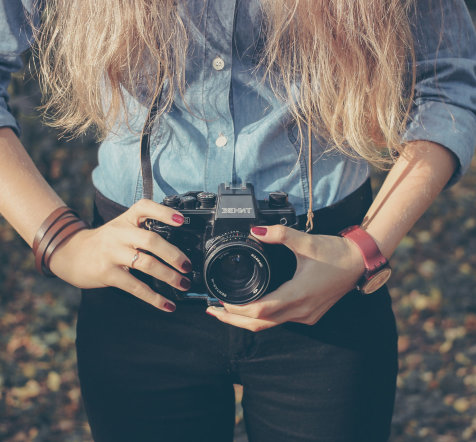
(134, 259)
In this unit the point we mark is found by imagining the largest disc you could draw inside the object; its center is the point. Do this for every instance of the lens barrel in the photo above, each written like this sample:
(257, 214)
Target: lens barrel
(236, 269)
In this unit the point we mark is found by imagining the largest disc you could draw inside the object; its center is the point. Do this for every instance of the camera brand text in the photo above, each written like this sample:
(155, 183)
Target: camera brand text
(236, 210)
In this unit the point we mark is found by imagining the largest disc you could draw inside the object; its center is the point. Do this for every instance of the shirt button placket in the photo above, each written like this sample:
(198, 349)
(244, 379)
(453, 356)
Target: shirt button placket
(219, 119)
(220, 126)
(218, 64)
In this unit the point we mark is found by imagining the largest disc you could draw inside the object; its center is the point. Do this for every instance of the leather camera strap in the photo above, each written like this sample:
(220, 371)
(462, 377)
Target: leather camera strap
(146, 166)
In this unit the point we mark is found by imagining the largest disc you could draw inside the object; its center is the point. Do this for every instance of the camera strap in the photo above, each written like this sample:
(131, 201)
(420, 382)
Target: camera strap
(145, 162)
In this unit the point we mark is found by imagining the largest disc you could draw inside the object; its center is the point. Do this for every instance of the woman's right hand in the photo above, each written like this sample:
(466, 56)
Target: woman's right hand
(101, 257)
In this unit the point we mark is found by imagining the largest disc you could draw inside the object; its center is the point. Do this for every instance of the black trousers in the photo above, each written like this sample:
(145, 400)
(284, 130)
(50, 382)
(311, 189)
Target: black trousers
(147, 375)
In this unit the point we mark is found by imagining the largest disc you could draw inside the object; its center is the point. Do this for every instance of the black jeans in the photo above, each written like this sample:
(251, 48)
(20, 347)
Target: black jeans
(147, 375)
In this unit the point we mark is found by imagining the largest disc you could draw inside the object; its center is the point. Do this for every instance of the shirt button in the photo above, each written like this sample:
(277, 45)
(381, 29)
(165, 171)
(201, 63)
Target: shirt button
(221, 141)
(218, 63)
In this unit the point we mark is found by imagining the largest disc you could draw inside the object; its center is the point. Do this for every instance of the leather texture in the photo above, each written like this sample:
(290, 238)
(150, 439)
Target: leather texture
(52, 218)
(61, 237)
(372, 255)
(49, 237)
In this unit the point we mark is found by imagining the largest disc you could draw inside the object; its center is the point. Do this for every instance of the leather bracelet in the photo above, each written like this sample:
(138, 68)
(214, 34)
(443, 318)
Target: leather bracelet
(61, 237)
(50, 221)
(48, 238)
(60, 225)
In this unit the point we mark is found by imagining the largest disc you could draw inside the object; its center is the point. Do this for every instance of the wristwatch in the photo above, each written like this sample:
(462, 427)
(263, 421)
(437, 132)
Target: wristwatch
(377, 269)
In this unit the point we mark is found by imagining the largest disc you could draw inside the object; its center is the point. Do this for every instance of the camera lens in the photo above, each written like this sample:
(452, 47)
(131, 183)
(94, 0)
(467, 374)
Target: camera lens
(236, 269)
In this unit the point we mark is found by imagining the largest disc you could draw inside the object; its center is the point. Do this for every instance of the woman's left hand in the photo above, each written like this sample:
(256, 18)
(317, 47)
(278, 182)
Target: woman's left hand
(327, 268)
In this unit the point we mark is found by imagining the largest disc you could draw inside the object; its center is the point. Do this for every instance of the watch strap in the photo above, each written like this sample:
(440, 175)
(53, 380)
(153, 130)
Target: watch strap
(373, 258)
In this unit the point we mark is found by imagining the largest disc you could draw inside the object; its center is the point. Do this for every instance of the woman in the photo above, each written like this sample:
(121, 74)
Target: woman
(298, 96)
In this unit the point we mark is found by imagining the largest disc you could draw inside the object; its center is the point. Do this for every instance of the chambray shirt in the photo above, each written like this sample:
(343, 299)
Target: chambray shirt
(231, 127)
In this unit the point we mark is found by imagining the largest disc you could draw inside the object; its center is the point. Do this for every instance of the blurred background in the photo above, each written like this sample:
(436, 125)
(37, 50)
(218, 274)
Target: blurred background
(433, 290)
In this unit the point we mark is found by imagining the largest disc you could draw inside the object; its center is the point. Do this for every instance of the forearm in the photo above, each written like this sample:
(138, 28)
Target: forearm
(26, 198)
(412, 184)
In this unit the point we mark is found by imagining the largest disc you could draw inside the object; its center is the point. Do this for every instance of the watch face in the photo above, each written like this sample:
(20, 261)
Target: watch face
(376, 281)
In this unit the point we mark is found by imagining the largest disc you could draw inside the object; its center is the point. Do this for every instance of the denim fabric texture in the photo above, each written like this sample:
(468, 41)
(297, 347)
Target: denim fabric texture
(149, 376)
(234, 128)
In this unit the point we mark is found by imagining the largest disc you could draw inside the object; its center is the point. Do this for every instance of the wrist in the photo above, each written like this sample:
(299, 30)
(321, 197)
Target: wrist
(356, 260)
(376, 269)
(62, 257)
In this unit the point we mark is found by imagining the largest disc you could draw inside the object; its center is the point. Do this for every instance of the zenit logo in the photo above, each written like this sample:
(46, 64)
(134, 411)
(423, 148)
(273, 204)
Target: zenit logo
(236, 210)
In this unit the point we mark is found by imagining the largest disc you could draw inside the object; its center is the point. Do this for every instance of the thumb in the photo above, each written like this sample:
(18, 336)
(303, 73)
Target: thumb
(279, 234)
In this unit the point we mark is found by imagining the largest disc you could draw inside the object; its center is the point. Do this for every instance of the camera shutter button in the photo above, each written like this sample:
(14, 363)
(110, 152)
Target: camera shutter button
(172, 201)
(189, 202)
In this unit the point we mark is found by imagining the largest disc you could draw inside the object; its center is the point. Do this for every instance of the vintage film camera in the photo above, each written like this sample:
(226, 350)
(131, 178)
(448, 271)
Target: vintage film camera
(228, 263)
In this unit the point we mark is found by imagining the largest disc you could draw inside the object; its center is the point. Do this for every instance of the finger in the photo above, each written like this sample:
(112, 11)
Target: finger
(125, 281)
(264, 308)
(296, 240)
(150, 265)
(154, 243)
(146, 208)
(251, 324)
(279, 306)
(290, 305)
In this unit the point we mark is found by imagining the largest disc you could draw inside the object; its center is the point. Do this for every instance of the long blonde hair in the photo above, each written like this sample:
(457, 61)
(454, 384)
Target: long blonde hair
(350, 58)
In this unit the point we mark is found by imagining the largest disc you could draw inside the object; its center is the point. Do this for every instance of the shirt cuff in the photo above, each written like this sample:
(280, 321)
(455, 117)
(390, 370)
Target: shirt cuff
(7, 119)
(451, 126)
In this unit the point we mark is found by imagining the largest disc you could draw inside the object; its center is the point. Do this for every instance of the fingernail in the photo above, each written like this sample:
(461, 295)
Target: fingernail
(185, 283)
(178, 218)
(187, 266)
(170, 307)
(221, 302)
(261, 231)
(141, 220)
(208, 312)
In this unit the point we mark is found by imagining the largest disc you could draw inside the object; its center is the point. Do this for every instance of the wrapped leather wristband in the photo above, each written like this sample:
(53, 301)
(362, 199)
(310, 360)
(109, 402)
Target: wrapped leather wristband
(59, 239)
(52, 218)
(61, 224)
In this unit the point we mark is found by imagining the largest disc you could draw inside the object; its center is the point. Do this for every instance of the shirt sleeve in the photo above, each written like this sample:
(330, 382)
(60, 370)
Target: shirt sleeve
(15, 38)
(444, 109)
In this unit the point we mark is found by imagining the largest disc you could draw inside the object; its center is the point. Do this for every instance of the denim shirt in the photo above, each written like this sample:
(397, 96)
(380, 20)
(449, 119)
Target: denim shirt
(229, 126)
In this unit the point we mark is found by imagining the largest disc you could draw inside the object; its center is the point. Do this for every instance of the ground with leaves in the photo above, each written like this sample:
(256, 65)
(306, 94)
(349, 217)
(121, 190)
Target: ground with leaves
(432, 290)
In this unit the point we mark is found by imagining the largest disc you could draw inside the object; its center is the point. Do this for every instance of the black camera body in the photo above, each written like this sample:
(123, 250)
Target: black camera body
(228, 263)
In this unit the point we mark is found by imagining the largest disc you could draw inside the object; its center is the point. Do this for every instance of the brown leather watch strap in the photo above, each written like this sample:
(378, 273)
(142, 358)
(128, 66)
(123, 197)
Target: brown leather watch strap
(52, 218)
(49, 236)
(62, 236)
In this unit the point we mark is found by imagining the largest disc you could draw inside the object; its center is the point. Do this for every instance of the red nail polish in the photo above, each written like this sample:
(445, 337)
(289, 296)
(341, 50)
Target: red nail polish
(187, 266)
(185, 283)
(221, 302)
(178, 218)
(169, 307)
(261, 231)
(210, 313)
